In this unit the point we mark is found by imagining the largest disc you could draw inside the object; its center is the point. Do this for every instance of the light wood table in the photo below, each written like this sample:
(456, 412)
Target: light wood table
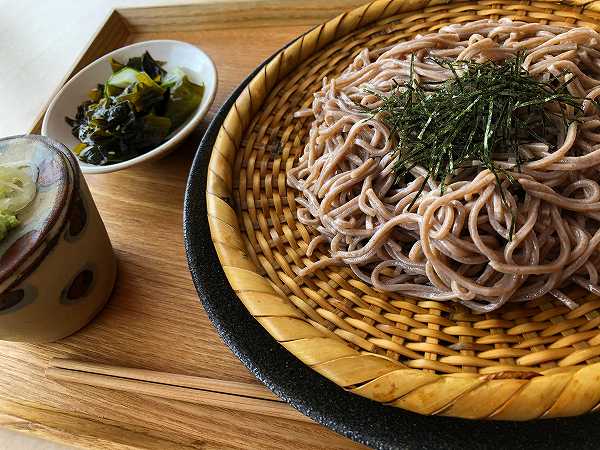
(154, 319)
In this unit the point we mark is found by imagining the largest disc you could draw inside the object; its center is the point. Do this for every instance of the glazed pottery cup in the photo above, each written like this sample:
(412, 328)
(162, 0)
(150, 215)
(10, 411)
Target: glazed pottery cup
(57, 268)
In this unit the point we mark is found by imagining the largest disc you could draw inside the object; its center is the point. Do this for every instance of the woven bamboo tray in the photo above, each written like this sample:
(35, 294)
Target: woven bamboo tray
(523, 362)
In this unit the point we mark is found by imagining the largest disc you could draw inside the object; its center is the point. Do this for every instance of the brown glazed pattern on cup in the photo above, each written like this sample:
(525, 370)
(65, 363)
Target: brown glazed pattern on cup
(55, 184)
(61, 236)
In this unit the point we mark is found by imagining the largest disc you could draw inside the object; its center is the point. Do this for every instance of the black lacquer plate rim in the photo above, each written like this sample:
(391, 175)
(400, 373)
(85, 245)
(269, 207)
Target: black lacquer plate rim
(365, 421)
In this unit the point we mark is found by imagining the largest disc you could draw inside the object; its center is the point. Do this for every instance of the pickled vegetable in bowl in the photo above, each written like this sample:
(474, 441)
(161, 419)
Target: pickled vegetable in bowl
(135, 110)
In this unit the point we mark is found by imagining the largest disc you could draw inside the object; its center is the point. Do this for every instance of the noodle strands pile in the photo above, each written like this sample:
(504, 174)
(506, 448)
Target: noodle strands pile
(479, 236)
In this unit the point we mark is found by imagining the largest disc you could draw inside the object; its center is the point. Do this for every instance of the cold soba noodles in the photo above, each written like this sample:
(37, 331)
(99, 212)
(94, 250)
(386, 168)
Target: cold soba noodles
(496, 201)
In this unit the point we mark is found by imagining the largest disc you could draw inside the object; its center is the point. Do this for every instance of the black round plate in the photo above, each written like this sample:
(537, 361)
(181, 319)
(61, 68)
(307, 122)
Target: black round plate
(358, 418)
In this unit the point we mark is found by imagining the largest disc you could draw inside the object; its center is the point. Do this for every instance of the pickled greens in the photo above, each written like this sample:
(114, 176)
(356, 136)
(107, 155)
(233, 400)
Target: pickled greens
(133, 111)
(185, 96)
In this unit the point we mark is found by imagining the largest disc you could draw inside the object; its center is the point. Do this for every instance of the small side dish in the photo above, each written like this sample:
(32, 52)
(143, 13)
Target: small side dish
(17, 190)
(180, 58)
(135, 110)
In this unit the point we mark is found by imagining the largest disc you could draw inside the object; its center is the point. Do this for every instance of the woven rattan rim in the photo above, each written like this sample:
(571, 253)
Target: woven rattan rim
(524, 362)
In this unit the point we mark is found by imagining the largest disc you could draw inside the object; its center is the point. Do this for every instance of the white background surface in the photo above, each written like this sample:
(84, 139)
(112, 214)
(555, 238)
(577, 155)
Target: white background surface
(13, 440)
(39, 43)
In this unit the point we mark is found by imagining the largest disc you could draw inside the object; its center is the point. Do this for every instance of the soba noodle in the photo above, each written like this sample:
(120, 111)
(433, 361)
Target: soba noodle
(455, 245)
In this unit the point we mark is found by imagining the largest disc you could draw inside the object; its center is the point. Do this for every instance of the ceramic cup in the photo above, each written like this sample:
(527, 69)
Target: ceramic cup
(57, 268)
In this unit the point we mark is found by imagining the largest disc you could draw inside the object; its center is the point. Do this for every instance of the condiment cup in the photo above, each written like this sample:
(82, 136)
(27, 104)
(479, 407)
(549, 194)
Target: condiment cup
(57, 267)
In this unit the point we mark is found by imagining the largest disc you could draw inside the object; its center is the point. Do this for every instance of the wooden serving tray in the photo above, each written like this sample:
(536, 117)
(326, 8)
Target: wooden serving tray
(154, 320)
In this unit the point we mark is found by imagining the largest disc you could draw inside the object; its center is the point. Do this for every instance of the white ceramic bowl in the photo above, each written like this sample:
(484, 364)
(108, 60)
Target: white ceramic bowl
(195, 63)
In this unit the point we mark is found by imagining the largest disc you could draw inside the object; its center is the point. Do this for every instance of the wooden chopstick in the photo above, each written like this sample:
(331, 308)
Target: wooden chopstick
(205, 384)
(198, 390)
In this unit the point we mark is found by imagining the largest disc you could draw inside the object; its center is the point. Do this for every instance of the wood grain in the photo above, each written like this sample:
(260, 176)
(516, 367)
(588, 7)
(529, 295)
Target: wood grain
(154, 319)
(233, 15)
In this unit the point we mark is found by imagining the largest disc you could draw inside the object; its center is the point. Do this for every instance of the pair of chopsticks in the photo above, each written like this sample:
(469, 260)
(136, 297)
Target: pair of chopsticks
(191, 389)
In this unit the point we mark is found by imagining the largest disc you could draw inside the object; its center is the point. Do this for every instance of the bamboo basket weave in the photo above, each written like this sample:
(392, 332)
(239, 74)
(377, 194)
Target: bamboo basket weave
(523, 362)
